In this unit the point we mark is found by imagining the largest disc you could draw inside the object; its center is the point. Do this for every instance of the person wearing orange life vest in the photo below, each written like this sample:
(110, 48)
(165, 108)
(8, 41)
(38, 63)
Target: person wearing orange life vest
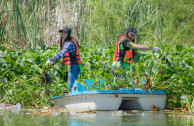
(69, 54)
(123, 54)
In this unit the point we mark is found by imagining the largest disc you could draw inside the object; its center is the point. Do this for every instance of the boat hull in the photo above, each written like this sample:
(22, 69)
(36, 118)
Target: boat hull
(113, 101)
(89, 102)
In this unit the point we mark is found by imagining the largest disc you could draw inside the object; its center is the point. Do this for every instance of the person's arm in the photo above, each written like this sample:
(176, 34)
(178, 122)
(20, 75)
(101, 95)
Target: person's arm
(60, 54)
(140, 47)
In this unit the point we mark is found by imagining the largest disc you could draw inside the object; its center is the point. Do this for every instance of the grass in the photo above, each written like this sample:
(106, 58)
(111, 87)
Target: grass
(27, 24)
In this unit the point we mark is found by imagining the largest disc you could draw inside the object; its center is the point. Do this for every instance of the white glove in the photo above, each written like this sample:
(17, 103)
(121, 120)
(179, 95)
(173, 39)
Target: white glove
(48, 62)
(156, 49)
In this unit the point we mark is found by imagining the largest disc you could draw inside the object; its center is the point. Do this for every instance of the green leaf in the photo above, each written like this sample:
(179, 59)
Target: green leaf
(147, 70)
(158, 56)
(179, 48)
(126, 59)
(23, 77)
(136, 57)
(142, 68)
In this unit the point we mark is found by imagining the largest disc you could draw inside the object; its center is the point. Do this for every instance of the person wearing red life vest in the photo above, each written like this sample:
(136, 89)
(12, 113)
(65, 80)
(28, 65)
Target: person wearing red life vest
(123, 54)
(69, 54)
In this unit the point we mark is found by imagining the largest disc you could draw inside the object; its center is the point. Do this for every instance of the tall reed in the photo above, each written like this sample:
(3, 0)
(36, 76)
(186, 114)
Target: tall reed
(27, 24)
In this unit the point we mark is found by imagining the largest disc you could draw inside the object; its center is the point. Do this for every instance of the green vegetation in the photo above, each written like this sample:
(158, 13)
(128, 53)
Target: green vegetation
(26, 24)
(21, 72)
(29, 28)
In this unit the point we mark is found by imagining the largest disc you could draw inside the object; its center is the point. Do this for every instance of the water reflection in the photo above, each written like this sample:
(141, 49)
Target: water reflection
(104, 118)
(101, 118)
(112, 118)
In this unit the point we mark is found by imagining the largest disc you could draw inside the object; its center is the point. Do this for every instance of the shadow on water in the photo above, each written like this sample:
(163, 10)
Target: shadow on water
(103, 118)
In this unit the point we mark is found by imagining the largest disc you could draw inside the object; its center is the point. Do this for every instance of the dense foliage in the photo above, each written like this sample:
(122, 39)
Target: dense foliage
(98, 24)
(20, 75)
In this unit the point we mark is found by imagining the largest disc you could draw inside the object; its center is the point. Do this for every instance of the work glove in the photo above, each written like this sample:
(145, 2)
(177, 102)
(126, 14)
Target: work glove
(48, 62)
(156, 49)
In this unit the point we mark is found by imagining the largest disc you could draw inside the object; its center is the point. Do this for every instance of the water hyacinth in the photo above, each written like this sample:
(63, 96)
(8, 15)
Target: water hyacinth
(158, 75)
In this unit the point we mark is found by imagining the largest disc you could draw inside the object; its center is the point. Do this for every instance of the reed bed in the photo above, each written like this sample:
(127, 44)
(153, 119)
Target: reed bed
(27, 24)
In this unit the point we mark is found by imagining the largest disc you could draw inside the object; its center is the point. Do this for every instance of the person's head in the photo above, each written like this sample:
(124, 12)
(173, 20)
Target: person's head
(65, 34)
(130, 33)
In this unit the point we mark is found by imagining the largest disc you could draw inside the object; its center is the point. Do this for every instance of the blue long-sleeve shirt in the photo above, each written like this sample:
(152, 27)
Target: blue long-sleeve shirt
(68, 47)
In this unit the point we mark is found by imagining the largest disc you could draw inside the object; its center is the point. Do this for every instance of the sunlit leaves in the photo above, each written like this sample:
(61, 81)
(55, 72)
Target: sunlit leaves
(21, 72)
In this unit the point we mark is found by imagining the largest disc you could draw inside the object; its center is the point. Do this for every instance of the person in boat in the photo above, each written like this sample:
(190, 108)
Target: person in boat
(69, 54)
(123, 54)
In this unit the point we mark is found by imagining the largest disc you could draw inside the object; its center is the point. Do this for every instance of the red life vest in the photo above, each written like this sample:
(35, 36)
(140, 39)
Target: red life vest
(128, 53)
(66, 58)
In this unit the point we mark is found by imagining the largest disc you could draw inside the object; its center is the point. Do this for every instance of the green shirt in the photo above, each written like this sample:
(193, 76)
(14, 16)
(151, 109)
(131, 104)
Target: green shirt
(119, 64)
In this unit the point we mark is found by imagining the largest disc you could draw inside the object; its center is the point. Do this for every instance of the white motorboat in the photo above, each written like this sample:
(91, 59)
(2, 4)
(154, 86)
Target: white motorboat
(82, 99)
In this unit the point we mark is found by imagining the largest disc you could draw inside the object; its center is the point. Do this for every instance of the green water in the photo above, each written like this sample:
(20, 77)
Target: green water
(105, 118)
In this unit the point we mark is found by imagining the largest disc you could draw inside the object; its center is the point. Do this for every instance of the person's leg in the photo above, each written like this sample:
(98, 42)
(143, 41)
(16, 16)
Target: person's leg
(69, 79)
(73, 75)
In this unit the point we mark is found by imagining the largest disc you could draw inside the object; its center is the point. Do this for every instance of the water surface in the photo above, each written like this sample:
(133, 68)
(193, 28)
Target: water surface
(99, 118)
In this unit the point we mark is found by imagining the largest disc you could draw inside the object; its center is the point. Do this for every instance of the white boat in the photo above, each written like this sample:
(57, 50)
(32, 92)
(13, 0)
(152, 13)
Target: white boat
(91, 100)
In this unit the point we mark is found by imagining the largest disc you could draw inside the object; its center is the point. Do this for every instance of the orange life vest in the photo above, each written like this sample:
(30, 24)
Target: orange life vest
(67, 59)
(128, 53)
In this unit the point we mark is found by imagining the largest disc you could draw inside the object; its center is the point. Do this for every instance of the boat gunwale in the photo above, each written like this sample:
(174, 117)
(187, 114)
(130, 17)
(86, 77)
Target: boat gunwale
(80, 94)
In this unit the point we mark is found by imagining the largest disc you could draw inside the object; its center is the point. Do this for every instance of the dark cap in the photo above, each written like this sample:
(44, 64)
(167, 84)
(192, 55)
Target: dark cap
(65, 29)
(131, 30)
